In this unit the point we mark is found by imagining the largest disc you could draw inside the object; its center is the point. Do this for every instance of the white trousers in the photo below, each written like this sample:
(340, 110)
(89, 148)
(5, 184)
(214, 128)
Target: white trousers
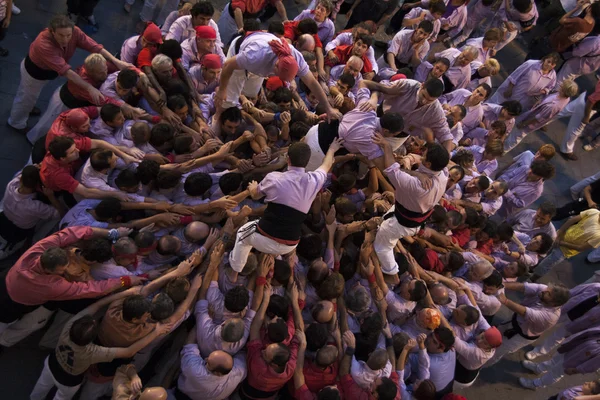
(25, 326)
(554, 339)
(575, 109)
(316, 153)
(577, 188)
(242, 82)
(508, 346)
(388, 234)
(248, 238)
(27, 95)
(55, 107)
(554, 371)
(45, 383)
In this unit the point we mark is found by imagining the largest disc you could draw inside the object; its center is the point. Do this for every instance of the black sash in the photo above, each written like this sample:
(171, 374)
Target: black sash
(282, 222)
(407, 218)
(328, 131)
(179, 395)
(71, 101)
(39, 73)
(248, 392)
(464, 375)
(62, 376)
(582, 308)
(516, 330)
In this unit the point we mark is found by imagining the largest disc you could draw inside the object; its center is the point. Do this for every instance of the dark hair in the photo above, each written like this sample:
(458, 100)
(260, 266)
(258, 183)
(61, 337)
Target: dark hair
(347, 79)
(419, 292)
(282, 272)
(109, 112)
(547, 207)
(127, 78)
(162, 307)
(445, 336)
(160, 134)
(406, 72)
(543, 169)
(30, 177)
(426, 389)
(59, 146)
(392, 121)
(84, 331)
(332, 287)
(108, 209)
(505, 231)
(546, 243)
(183, 144)
(344, 206)
(60, 21)
(298, 130)
(171, 48)
(500, 126)
(400, 340)
(310, 247)
(455, 261)
(460, 169)
(490, 229)
(177, 288)
(471, 314)
(308, 25)
(230, 182)
(387, 389)
(276, 28)
(482, 182)
(54, 258)
(441, 60)
(282, 95)
(281, 356)
(299, 154)
(127, 179)
(437, 7)
(328, 393)
(233, 330)
(278, 306)
(513, 107)
(147, 171)
(366, 39)
(100, 159)
(426, 25)
(471, 217)
(168, 179)
(176, 102)
(434, 87)
(232, 114)
(277, 331)
(197, 184)
(236, 299)
(96, 250)
(437, 156)
(317, 336)
(494, 280)
(135, 306)
(522, 6)
(202, 8)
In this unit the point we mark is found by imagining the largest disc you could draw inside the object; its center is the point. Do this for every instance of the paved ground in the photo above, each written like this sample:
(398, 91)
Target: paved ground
(20, 366)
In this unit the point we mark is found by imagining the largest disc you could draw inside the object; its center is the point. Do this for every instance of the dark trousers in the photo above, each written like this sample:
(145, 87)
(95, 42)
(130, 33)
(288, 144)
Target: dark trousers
(396, 21)
(83, 8)
(570, 209)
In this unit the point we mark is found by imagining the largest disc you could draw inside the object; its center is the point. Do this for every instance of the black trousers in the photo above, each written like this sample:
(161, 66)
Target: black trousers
(570, 209)
(396, 21)
(83, 8)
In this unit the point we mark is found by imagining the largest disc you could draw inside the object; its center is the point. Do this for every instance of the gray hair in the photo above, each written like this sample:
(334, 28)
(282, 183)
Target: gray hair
(470, 52)
(161, 60)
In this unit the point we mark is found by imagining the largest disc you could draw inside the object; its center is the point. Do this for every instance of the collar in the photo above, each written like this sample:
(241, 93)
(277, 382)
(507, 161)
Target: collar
(296, 169)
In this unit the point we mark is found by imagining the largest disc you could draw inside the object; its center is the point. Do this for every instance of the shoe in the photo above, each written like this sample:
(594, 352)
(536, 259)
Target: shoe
(588, 147)
(531, 355)
(527, 383)
(569, 156)
(35, 112)
(531, 366)
(19, 130)
(15, 10)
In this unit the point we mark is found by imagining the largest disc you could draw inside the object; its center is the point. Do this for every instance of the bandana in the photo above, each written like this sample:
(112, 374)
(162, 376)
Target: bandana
(287, 65)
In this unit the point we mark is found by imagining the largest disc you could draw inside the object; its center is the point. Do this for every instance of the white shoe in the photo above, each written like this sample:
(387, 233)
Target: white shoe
(15, 10)
(531, 355)
(527, 383)
(533, 367)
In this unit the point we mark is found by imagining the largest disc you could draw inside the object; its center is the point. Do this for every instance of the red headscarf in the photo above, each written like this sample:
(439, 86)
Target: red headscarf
(287, 65)
(211, 61)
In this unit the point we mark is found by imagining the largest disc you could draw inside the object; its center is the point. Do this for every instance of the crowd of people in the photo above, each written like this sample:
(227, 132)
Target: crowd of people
(220, 211)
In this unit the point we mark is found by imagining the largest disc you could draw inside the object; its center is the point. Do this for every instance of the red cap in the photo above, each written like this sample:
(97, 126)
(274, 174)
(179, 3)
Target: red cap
(493, 337)
(205, 32)
(287, 68)
(452, 396)
(397, 77)
(274, 83)
(152, 33)
(211, 61)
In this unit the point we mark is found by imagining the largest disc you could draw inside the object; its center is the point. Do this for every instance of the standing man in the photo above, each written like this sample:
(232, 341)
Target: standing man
(48, 57)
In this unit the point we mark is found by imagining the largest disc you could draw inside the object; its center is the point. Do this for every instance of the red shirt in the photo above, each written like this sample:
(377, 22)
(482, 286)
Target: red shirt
(431, 262)
(28, 284)
(57, 176)
(304, 394)
(46, 53)
(352, 391)
(82, 94)
(290, 31)
(251, 6)
(144, 59)
(595, 96)
(260, 375)
(59, 128)
(344, 53)
(290, 325)
(486, 247)
(461, 236)
(317, 378)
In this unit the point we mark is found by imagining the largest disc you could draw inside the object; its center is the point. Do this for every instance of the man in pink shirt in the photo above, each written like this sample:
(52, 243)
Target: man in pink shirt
(414, 201)
(48, 57)
(37, 279)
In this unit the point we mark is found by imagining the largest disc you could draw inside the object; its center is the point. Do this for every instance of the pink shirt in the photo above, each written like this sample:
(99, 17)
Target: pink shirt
(326, 29)
(403, 48)
(345, 39)
(24, 210)
(190, 55)
(416, 12)
(474, 114)
(538, 317)
(409, 191)
(459, 76)
(109, 89)
(130, 49)
(430, 115)
(528, 81)
(357, 128)
(294, 188)
(28, 284)
(183, 29)
(199, 83)
(521, 192)
(545, 111)
(484, 55)
(46, 53)
(491, 113)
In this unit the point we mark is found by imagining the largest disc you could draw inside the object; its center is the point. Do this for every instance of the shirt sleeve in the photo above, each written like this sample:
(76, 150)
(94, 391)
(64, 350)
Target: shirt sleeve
(144, 58)
(102, 354)
(64, 181)
(85, 42)
(192, 363)
(400, 179)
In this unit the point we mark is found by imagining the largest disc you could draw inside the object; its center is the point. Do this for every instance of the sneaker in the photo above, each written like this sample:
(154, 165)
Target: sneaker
(15, 10)
(527, 383)
(531, 366)
(588, 147)
(531, 355)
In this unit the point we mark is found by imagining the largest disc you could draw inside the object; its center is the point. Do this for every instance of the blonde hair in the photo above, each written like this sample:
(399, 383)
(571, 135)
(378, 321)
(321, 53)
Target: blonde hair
(94, 61)
(186, 8)
(568, 88)
(493, 66)
(547, 151)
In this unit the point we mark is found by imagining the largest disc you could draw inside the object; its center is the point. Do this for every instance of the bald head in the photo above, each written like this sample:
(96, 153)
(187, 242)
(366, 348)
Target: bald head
(305, 43)
(326, 356)
(480, 270)
(125, 246)
(168, 245)
(317, 272)
(196, 231)
(219, 363)
(154, 393)
(355, 62)
(323, 311)
(439, 294)
(378, 359)
(233, 330)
